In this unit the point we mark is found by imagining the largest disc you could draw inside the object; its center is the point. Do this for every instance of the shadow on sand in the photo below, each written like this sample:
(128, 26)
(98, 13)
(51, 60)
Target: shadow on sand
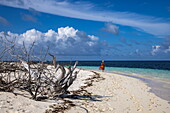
(84, 97)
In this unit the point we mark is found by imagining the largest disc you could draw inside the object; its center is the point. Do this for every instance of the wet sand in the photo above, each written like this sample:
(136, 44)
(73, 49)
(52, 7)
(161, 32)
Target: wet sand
(158, 87)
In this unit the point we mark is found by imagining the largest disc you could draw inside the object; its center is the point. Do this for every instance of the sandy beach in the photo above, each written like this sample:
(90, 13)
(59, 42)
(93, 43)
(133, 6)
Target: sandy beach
(93, 92)
(84, 56)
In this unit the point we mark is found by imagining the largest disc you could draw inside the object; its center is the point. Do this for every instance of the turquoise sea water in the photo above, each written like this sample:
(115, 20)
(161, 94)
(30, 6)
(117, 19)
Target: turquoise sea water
(151, 73)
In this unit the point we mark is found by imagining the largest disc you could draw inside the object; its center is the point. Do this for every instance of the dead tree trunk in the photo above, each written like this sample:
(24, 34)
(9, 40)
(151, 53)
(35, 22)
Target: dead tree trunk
(54, 60)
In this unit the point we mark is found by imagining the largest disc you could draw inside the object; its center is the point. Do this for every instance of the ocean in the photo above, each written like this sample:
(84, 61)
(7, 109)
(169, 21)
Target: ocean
(151, 69)
(150, 73)
(165, 65)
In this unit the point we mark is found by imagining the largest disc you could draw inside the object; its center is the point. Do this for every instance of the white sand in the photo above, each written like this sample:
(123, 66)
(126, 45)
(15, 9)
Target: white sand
(119, 94)
(9, 103)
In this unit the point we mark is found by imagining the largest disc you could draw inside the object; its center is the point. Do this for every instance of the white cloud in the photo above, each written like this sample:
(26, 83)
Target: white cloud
(67, 41)
(109, 27)
(167, 50)
(151, 25)
(163, 48)
(137, 52)
(160, 49)
(155, 49)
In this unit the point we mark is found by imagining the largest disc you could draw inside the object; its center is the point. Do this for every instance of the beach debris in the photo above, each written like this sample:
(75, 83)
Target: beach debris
(25, 71)
(39, 81)
(56, 108)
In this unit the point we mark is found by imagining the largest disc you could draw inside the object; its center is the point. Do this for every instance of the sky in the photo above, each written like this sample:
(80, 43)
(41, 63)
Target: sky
(90, 29)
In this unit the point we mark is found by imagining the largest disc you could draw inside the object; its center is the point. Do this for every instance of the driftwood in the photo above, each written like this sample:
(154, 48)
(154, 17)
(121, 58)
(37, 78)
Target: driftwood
(37, 79)
(54, 60)
(42, 82)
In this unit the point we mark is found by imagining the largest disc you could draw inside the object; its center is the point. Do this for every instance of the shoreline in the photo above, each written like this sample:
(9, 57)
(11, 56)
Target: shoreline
(159, 87)
(108, 70)
(121, 94)
(93, 92)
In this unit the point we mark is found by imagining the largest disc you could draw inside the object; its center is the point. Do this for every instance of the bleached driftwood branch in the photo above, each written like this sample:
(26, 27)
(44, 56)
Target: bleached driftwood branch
(54, 60)
(53, 83)
(37, 79)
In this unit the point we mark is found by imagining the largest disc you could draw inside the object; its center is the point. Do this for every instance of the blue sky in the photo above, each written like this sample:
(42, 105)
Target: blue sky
(91, 29)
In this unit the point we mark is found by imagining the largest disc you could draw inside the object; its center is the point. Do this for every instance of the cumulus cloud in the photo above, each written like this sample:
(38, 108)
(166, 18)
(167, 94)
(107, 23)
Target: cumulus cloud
(4, 21)
(111, 28)
(155, 49)
(136, 52)
(66, 41)
(164, 47)
(167, 50)
(148, 24)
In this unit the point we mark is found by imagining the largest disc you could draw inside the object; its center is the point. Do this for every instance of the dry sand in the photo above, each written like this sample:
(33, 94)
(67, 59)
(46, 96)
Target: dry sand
(113, 94)
(120, 94)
